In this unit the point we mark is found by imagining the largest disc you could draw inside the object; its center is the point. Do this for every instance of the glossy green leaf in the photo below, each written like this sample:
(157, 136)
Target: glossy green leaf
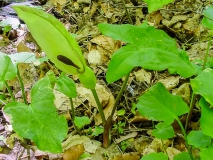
(148, 48)
(202, 85)
(60, 47)
(7, 70)
(23, 57)
(163, 131)
(207, 20)
(66, 86)
(206, 153)
(155, 156)
(39, 121)
(154, 5)
(80, 122)
(98, 130)
(121, 112)
(158, 104)
(206, 119)
(182, 156)
(1, 85)
(198, 139)
(50, 74)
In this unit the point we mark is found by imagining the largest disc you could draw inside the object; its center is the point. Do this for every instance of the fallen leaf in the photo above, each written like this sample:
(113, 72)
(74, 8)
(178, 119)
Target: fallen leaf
(170, 82)
(127, 156)
(74, 152)
(122, 138)
(94, 58)
(143, 76)
(184, 91)
(171, 152)
(107, 111)
(90, 145)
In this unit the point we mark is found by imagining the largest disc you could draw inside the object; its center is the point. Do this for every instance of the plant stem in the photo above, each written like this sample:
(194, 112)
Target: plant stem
(119, 95)
(73, 114)
(73, 109)
(108, 124)
(100, 109)
(127, 13)
(192, 103)
(185, 137)
(9, 90)
(22, 85)
(207, 53)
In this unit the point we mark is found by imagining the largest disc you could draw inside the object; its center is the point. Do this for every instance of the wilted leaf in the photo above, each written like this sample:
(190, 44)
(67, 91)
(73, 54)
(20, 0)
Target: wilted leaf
(158, 102)
(74, 152)
(127, 156)
(39, 121)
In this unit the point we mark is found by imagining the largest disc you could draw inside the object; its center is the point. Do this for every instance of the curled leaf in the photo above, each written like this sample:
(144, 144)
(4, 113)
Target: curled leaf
(60, 47)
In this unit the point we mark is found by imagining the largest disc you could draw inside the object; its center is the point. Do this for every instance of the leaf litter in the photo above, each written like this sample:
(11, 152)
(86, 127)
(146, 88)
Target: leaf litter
(81, 18)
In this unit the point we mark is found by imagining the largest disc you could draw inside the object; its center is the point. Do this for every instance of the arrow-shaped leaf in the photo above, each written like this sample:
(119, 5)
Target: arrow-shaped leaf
(60, 47)
(158, 104)
(147, 47)
(39, 121)
(7, 70)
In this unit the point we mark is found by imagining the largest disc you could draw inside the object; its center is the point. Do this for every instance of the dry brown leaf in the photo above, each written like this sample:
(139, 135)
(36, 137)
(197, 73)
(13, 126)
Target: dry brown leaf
(61, 101)
(84, 1)
(143, 76)
(107, 9)
(74, 152)
(106, 46)
(184, 91)
(141, 143)
(59, 4)
(127, 156)
(156, 146)
(22, 47)
(175, 19)
(90, 145)
(107, 111)
(171, 152)
(94, 58)
(170, 82)
(155, 18)
(123, 138)
(137, 118)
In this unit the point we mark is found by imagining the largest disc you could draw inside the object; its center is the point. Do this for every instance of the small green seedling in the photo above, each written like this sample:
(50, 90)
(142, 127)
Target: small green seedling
(119, 127)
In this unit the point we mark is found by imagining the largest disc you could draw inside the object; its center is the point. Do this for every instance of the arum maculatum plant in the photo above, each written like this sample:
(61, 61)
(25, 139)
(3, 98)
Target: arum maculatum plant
(59, 46)
(63, 50)
(145, 47)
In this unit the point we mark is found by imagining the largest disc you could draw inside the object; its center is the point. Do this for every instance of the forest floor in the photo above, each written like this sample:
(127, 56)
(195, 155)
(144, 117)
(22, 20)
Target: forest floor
(131, 132)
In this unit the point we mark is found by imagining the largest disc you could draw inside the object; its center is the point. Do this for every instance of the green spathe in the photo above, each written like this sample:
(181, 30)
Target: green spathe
(56, 41)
